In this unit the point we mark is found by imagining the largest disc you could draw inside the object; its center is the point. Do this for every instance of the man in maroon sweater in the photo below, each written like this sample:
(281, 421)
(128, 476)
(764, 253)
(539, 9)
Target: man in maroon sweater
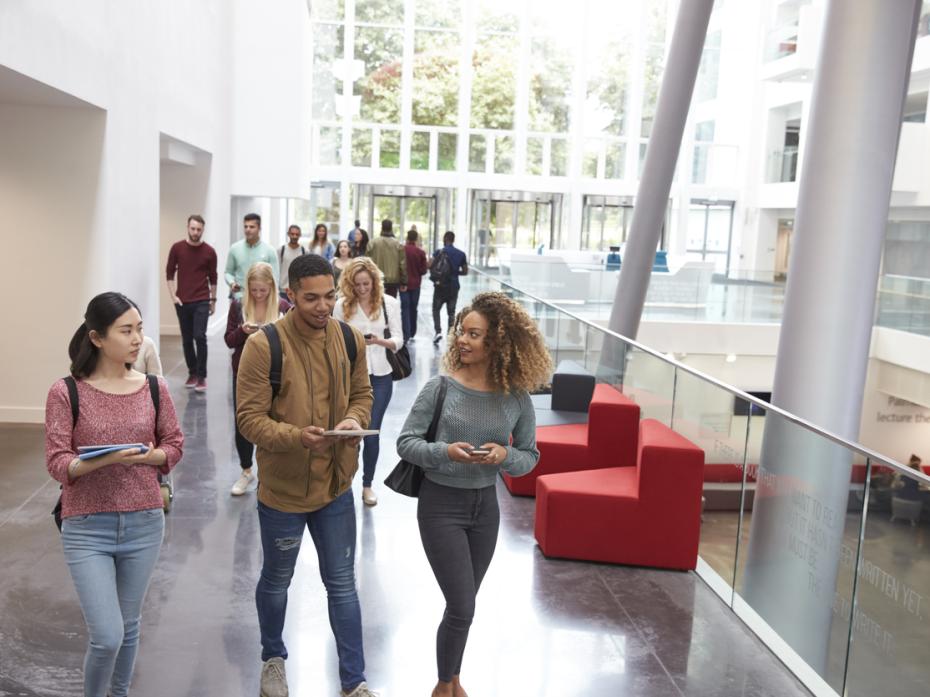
(410, 298)
(194, 296)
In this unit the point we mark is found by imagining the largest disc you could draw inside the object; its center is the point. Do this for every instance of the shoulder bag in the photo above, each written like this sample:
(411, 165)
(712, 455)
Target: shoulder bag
(399, 360)
(407, 477)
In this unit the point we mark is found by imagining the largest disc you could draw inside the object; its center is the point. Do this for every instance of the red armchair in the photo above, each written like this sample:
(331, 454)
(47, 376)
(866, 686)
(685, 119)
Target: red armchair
(648, 515)
(607, 440)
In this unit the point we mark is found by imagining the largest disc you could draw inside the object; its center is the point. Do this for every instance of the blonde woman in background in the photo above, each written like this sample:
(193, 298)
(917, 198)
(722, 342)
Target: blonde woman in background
(363, 304)
(260, 305)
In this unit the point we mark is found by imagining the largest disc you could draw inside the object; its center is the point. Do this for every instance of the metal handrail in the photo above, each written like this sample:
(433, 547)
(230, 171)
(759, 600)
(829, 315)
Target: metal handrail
(793, 418)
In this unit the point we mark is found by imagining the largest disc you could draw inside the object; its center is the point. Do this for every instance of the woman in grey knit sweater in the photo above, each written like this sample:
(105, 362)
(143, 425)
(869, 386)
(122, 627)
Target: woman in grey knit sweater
(486, 425)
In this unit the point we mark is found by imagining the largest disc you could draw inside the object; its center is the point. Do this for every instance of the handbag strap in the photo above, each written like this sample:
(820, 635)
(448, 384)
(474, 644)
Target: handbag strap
(440, 399)
(387, 329)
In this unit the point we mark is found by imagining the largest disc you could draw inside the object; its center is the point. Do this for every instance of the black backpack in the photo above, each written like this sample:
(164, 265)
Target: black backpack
(440, 271)
(281, 253)
(274, 344)
(71, 384)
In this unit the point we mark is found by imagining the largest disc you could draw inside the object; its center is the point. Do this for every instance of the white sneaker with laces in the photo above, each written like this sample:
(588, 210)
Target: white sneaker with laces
(361, 690)
(274, 680)
(242, 484)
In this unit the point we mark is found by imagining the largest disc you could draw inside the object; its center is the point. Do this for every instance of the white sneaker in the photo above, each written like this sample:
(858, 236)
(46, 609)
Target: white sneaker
(274, 680)
(368, 496)
(361, 690)
(242, 484)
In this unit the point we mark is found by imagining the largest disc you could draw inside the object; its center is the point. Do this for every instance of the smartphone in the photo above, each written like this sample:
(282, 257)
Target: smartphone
(479, 451)
(368, 337)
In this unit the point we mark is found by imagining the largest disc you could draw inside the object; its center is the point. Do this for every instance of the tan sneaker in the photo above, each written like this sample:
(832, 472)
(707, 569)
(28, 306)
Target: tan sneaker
(368, 496)
(242, 484)
(361, 690)
(274, 680)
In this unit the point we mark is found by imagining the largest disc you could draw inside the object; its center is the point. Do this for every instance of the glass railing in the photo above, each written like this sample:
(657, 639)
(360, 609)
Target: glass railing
(818, 544)
(904, 303)
(783, 165)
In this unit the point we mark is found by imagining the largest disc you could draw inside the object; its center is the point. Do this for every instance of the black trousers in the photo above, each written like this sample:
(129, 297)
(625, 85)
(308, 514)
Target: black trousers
(243, 447)
(448, 296)
(458, 528)
(193, 319)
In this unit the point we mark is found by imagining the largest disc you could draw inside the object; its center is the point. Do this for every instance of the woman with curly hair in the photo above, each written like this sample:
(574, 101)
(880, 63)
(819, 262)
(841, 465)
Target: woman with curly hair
(364, 304)
(497, 356)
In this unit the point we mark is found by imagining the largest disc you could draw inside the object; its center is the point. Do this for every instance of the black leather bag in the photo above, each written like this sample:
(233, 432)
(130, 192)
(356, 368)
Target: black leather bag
(407, 477)
(400, 360)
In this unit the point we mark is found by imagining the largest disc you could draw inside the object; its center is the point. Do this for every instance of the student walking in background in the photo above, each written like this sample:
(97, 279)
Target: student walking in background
(416, 269)
(321, 244)
(342, 259)
(248, 251)
(111, 506)
(286, 255)
(365, 306)
(260, 305)
(191, 274)
(486, 424)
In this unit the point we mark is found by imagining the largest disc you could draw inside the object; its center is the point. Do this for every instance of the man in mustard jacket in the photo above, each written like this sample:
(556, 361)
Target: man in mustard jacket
(304, 476)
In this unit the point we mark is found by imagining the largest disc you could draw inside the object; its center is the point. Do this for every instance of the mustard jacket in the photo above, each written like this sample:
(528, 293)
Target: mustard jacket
(291, 477)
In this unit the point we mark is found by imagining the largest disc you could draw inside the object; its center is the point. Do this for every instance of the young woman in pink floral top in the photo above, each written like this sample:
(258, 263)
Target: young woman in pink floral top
(113, 521)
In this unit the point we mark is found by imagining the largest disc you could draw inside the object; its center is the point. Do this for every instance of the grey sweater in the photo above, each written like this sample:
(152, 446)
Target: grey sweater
(472, 417)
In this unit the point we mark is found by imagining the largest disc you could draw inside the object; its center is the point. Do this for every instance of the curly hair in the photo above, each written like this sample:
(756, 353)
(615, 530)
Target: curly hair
(519, 359)
(347, 286)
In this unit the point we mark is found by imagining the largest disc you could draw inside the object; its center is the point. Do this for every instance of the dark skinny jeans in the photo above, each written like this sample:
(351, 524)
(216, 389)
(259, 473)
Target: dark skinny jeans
(458, 528)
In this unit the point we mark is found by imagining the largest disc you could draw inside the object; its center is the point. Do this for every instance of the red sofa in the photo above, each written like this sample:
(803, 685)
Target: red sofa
(648, 515)
(607, 440)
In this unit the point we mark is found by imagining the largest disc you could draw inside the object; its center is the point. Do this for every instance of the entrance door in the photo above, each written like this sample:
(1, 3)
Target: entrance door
(605, 222)
(710, 230)
(512, 220)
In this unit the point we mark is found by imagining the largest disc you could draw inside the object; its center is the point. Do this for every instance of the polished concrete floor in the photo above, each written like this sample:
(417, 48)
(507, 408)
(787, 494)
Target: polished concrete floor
(543, 627)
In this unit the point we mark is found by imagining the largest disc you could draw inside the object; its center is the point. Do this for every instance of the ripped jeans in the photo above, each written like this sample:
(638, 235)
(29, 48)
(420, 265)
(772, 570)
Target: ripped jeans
(332, 529)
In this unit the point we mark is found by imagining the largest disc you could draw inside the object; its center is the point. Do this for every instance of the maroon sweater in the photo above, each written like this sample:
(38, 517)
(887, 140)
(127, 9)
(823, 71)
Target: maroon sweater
(416, 264)
(195, 267)
(235, 337)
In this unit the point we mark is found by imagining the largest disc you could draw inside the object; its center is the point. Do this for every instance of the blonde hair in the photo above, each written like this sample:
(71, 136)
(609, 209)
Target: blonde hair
(347, 286)
(263, 273)
(519, 358)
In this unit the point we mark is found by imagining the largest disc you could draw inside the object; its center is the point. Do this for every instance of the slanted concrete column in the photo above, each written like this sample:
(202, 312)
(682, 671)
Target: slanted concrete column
(684, 57)
(797, 526)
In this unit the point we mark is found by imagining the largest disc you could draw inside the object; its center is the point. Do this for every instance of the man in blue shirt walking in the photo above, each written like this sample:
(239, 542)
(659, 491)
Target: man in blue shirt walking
(446, 266)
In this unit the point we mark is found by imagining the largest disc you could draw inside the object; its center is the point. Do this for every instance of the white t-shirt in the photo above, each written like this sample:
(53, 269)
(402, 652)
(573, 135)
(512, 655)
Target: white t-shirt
(377, 358)
(286, 259)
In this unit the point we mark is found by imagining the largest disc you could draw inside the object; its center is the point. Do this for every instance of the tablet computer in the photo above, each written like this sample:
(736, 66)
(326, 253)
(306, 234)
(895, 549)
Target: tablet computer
(356, 433)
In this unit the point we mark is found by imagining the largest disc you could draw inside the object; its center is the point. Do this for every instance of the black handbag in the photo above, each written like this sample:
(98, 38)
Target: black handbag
(399, 360)
(407, 477)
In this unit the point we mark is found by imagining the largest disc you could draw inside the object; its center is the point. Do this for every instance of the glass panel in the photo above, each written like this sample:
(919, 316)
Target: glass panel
(361, 147)
(491, 16)
(558, 158)
(436, 78)
(526, 225)
(439, 13)
(330, 145)
(380, 11)
(614, 234)
(592, 148)
(891, 632)
(503, 155)
(448, 142)
(327, 88)
(328, 9)
(717, 422)
(550, 84)
(386, 207)
(389, 154)
(654, 63)
(650, 382)
(572, 337)
(381, 51)
(615, 160)
(502, 223)
(419, 150)
(417, 213)
(477, 153)
(608, 47)
(534, 155)
(494, 85)
(718, 228)
(709, 69)
(800, 517)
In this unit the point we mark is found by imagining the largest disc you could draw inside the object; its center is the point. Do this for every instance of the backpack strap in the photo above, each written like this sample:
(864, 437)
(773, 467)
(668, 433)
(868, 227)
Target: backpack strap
(156, 396)
(351, 346)
(281, 255)
(73, 398)
(274, 369)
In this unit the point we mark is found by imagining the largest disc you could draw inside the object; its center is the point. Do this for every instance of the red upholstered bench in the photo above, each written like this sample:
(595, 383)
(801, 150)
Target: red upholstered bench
(607, 440)
(648, 515)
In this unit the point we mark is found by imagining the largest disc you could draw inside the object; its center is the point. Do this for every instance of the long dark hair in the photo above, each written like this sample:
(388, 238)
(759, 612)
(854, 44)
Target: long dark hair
(102, 311)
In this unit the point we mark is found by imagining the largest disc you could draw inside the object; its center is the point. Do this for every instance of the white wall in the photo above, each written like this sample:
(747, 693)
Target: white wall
(149, 69)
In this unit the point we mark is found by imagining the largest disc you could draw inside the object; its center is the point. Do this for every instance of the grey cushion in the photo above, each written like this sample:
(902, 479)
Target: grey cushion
(572, 388)
(546, 416)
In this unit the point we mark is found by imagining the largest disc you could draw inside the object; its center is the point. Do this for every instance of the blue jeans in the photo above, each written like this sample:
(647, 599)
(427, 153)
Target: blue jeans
(332, 529)
(383, 387)
(409, 301)
(111, 557)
